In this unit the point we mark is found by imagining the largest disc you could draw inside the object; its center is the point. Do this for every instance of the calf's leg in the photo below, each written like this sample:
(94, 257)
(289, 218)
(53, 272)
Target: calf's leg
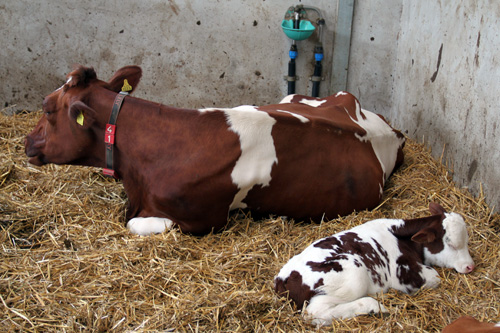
(321, 310)
(430, 276)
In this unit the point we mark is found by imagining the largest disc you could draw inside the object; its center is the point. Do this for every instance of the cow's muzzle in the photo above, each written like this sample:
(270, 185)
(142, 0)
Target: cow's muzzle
(32, 148)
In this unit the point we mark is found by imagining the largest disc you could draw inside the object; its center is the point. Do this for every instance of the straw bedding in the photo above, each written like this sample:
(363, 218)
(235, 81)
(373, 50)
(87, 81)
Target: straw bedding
(69, 264)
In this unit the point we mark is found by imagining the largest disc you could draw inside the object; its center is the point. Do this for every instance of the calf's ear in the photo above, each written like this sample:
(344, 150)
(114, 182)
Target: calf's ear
(82, 115)
(130, 73)
(426, 235)
(436, 209)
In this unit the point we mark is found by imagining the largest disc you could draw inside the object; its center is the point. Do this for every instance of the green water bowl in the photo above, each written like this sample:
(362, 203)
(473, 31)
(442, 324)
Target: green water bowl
(305, 29)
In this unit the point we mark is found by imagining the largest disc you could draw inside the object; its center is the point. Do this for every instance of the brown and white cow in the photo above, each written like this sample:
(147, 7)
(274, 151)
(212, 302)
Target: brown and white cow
(335, 274)
(303, 158)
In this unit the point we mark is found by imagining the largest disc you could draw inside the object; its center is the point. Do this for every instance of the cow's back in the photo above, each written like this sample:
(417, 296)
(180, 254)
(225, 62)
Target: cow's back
(329, 161)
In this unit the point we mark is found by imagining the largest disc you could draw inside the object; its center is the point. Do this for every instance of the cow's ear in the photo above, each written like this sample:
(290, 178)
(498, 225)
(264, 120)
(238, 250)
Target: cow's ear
(436, 209)
(426, 235)
(81, 115)
(132, 74)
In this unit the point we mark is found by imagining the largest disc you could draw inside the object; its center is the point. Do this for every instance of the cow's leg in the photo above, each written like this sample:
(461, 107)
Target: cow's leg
(430, 276)
(149, 225)
(321, 310)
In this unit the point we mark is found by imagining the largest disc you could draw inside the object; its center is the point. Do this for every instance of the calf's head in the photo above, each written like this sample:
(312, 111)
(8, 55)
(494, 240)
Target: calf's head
(70, 130)
(446, 241)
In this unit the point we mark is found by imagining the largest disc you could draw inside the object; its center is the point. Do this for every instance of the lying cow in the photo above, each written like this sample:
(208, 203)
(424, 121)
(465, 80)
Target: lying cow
(335, 274)
(303, 158)
(468, 324)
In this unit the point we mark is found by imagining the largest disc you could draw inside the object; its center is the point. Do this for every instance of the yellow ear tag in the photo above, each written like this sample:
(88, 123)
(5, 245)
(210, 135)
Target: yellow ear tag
(126, 87)
(79, 119)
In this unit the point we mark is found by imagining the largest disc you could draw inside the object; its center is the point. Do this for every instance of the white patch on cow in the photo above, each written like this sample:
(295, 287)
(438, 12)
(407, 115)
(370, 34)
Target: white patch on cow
(298, 116)
(244, 108)
(148, 225)
(287, 99)
(258, 154)
(312, 102)
(67, 82)
(384, 140)
(497, 324)
(341, 93)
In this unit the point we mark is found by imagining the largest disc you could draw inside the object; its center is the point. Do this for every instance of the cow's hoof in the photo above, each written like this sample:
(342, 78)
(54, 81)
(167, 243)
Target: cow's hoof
(148, 225)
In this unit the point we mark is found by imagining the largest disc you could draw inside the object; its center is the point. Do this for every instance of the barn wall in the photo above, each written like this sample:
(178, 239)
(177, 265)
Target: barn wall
(431, 67)
(193, 53)
(447, 86)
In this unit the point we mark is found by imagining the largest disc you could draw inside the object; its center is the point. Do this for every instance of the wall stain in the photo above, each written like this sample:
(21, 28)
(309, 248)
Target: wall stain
(476, 56)
(472, 170)
(174, 7)
(433, 78)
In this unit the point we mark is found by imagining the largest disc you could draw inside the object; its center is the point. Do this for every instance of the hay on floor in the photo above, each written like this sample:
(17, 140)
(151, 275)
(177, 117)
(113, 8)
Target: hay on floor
(69, 264)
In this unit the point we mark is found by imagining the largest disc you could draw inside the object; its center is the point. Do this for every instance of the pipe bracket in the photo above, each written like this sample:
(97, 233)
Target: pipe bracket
(316, 78)
(290, 78)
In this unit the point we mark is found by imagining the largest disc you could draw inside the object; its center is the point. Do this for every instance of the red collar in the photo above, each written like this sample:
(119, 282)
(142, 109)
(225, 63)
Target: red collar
(109, 134)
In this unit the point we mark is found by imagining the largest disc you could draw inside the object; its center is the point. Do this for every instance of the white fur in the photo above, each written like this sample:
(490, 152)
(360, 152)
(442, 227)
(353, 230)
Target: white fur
(148, 225)
(258, 154)
(287, 99)
(67, 82)
(321, 305)
(298, 116)
(312, 102)
(344, 294)
(455, 253)
(384, 141)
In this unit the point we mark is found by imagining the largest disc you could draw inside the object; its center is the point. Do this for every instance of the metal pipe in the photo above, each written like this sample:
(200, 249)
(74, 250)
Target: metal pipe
(291, 68)
(296, 20)
(320, 22)
(316, 78)
(341, 46)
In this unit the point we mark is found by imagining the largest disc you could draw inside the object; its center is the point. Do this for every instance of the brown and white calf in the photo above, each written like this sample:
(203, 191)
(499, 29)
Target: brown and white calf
(335, 274)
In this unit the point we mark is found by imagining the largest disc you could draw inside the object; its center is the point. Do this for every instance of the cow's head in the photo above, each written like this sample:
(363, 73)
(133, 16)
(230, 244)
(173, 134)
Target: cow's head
(70, 130)
(446, 242)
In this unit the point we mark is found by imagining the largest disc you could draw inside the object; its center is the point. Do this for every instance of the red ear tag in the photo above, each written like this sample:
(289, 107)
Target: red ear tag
(109, 135)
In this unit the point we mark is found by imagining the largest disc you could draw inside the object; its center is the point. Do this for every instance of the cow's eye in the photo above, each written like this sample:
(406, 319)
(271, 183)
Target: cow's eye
(49, 115)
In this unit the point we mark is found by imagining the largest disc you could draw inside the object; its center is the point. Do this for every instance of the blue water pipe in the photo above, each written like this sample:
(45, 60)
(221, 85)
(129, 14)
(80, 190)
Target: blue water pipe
(293, 53)
(318, 57)
(296, 27)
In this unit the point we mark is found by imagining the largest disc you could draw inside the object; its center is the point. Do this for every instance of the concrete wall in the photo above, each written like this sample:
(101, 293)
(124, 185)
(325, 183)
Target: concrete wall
(449, 86)
(431, 67)
(193, 53)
